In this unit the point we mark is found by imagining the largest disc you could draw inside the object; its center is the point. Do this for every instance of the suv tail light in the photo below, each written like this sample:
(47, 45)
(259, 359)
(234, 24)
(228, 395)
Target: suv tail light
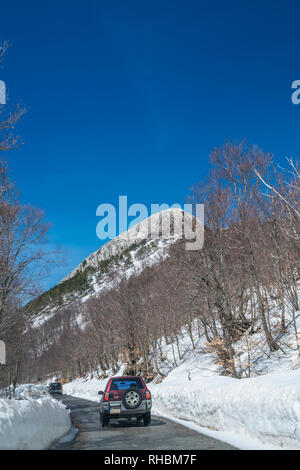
(108, 395)
(147, 395)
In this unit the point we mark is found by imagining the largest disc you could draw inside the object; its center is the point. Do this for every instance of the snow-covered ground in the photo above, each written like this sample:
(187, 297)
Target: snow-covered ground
(266, 408)
(256, 413)
(32, 424)
(262, 411)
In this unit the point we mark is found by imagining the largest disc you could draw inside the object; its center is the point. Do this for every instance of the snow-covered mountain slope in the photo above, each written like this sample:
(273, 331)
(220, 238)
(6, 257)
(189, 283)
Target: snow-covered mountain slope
(145, 244)
(165, 225)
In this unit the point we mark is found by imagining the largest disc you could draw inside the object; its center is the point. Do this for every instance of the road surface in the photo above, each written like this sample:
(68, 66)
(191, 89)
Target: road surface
(161, 434)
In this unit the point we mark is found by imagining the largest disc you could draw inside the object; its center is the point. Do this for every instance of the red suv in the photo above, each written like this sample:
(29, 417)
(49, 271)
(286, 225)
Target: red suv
(125, 397)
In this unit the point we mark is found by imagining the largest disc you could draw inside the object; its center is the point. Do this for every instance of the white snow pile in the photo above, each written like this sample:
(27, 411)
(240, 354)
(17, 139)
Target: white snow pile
(32, 424)
(87, 390)
(265, 408)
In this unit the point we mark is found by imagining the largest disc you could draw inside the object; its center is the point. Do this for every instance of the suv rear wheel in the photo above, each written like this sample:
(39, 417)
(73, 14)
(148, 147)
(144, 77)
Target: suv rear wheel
(104, 420)
(147, 419)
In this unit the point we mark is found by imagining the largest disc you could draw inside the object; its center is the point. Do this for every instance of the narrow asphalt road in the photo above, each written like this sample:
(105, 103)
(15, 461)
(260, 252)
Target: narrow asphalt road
(161, 434)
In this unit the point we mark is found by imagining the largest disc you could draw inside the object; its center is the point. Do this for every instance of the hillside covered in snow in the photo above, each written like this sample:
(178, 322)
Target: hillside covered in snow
(143, 245)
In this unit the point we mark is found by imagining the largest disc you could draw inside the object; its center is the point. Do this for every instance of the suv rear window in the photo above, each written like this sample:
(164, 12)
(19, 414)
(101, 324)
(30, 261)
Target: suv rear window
(123, 384)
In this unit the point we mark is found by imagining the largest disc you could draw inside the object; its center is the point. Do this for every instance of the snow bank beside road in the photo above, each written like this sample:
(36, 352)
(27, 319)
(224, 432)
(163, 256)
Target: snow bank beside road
(32, 424)
(87, 390)
(253, 413)
(265, 408)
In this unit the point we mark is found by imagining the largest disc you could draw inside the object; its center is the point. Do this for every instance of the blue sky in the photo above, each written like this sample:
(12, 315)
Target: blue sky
(128, 98)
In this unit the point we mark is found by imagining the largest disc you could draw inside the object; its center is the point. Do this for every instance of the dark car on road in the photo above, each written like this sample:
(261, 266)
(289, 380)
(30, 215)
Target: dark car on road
(125, 397)
(55, 388)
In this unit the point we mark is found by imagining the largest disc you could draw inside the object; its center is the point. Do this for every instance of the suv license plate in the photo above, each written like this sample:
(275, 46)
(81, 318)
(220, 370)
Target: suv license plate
(115, 410)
